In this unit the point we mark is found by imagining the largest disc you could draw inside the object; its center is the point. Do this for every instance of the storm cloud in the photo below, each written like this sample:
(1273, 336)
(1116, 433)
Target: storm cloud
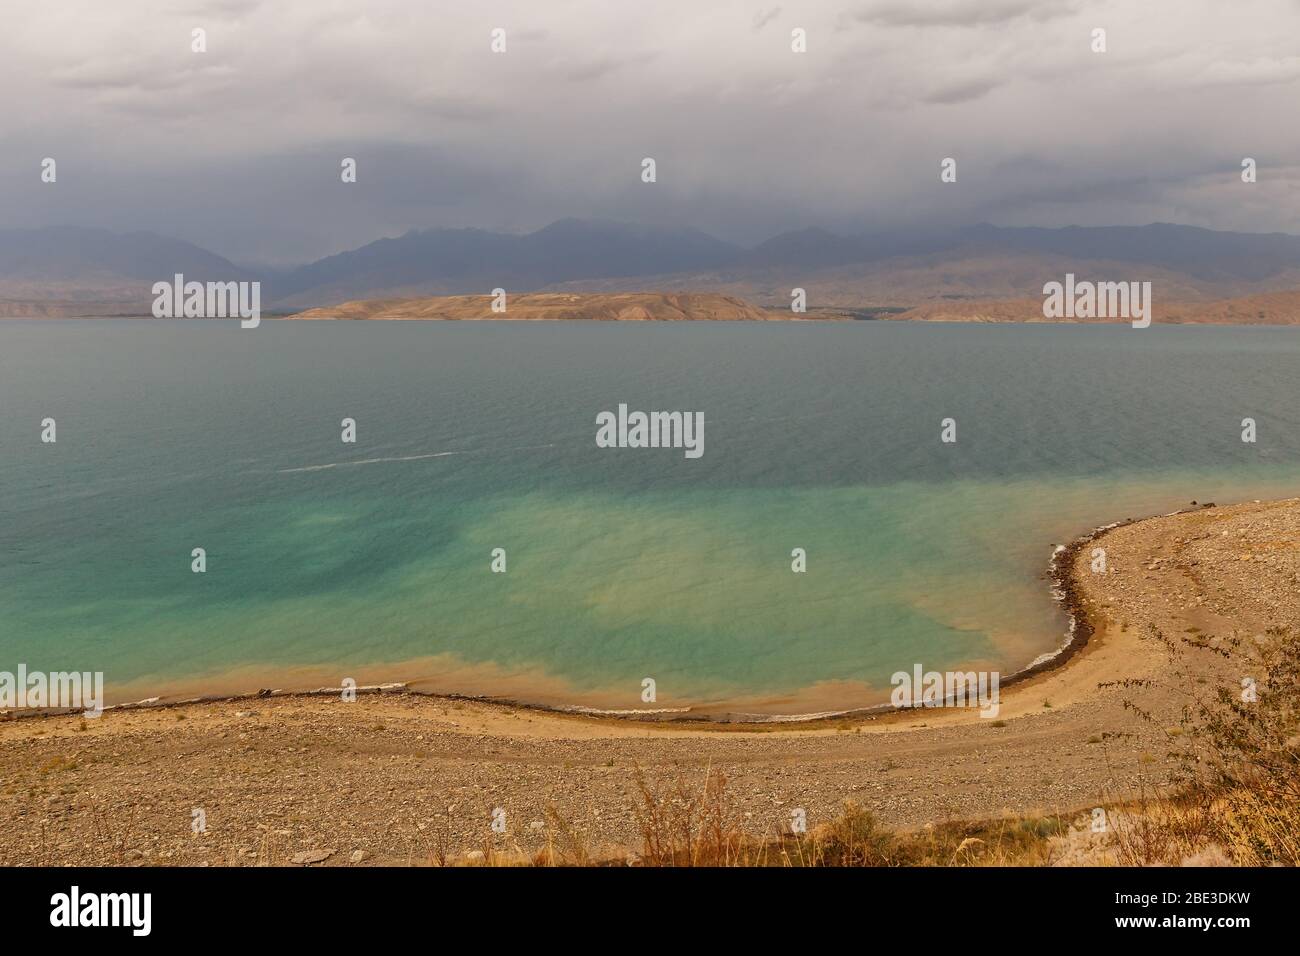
(238, 149)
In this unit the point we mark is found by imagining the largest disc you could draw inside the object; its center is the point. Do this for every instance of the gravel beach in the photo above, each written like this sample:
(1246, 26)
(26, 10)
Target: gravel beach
(401, 778)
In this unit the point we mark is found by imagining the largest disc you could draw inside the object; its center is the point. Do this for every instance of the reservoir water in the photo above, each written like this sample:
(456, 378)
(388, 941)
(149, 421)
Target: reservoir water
(373, 560)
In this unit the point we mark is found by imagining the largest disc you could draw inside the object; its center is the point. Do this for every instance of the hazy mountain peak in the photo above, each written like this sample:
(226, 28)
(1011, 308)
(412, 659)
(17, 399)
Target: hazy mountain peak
(1189, 263)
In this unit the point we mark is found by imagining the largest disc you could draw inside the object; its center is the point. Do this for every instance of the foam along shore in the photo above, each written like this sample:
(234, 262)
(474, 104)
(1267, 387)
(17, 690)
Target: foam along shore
(1107, 614)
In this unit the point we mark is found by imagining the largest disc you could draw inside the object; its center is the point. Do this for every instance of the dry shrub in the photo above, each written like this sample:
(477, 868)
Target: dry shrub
(687, 825)
(1237, 786)
(1249, 752)
(854, 838)
(698, 825)
(571, 850)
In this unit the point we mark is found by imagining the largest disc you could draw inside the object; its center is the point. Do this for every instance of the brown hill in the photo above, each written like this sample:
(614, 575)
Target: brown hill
(537, 306)
(61, 309)
(962, 275)
(1269, 308)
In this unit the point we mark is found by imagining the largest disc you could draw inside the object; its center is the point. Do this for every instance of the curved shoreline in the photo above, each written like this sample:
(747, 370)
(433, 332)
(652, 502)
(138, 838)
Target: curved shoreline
(1065, 588)
(1179, 590)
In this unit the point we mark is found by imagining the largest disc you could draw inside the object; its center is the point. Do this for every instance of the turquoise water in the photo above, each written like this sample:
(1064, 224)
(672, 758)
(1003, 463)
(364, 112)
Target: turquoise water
(373, 559)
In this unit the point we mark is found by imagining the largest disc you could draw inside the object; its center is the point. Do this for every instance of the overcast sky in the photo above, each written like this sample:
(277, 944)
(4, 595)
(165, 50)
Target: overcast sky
(238, 148)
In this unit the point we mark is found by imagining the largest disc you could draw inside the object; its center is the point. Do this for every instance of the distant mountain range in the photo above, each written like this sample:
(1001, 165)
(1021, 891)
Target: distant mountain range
(67, 270)
(70, 271)
(465, 261)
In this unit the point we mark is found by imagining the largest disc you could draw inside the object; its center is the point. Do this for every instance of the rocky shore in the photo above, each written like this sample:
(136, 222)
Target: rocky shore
(408, 779)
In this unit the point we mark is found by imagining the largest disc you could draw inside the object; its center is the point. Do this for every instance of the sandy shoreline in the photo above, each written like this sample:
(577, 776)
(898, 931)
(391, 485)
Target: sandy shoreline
(373, 780)
(545, 695)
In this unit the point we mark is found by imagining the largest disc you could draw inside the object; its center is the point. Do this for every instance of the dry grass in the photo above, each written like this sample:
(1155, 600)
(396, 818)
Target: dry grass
(1244, 757)
(1234, 798)
(1236, 792)
(695, 823)
(691, 825)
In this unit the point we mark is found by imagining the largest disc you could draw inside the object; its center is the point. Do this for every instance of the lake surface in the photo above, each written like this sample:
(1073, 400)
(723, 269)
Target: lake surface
(372, 560)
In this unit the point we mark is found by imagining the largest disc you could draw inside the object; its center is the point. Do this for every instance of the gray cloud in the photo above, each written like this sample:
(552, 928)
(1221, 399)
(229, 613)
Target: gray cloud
(594, 69)
(238, 149)
(962, 92)
(960, 13)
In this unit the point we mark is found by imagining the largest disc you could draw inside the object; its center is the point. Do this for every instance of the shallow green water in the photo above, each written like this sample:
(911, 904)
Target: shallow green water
(622, 563)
